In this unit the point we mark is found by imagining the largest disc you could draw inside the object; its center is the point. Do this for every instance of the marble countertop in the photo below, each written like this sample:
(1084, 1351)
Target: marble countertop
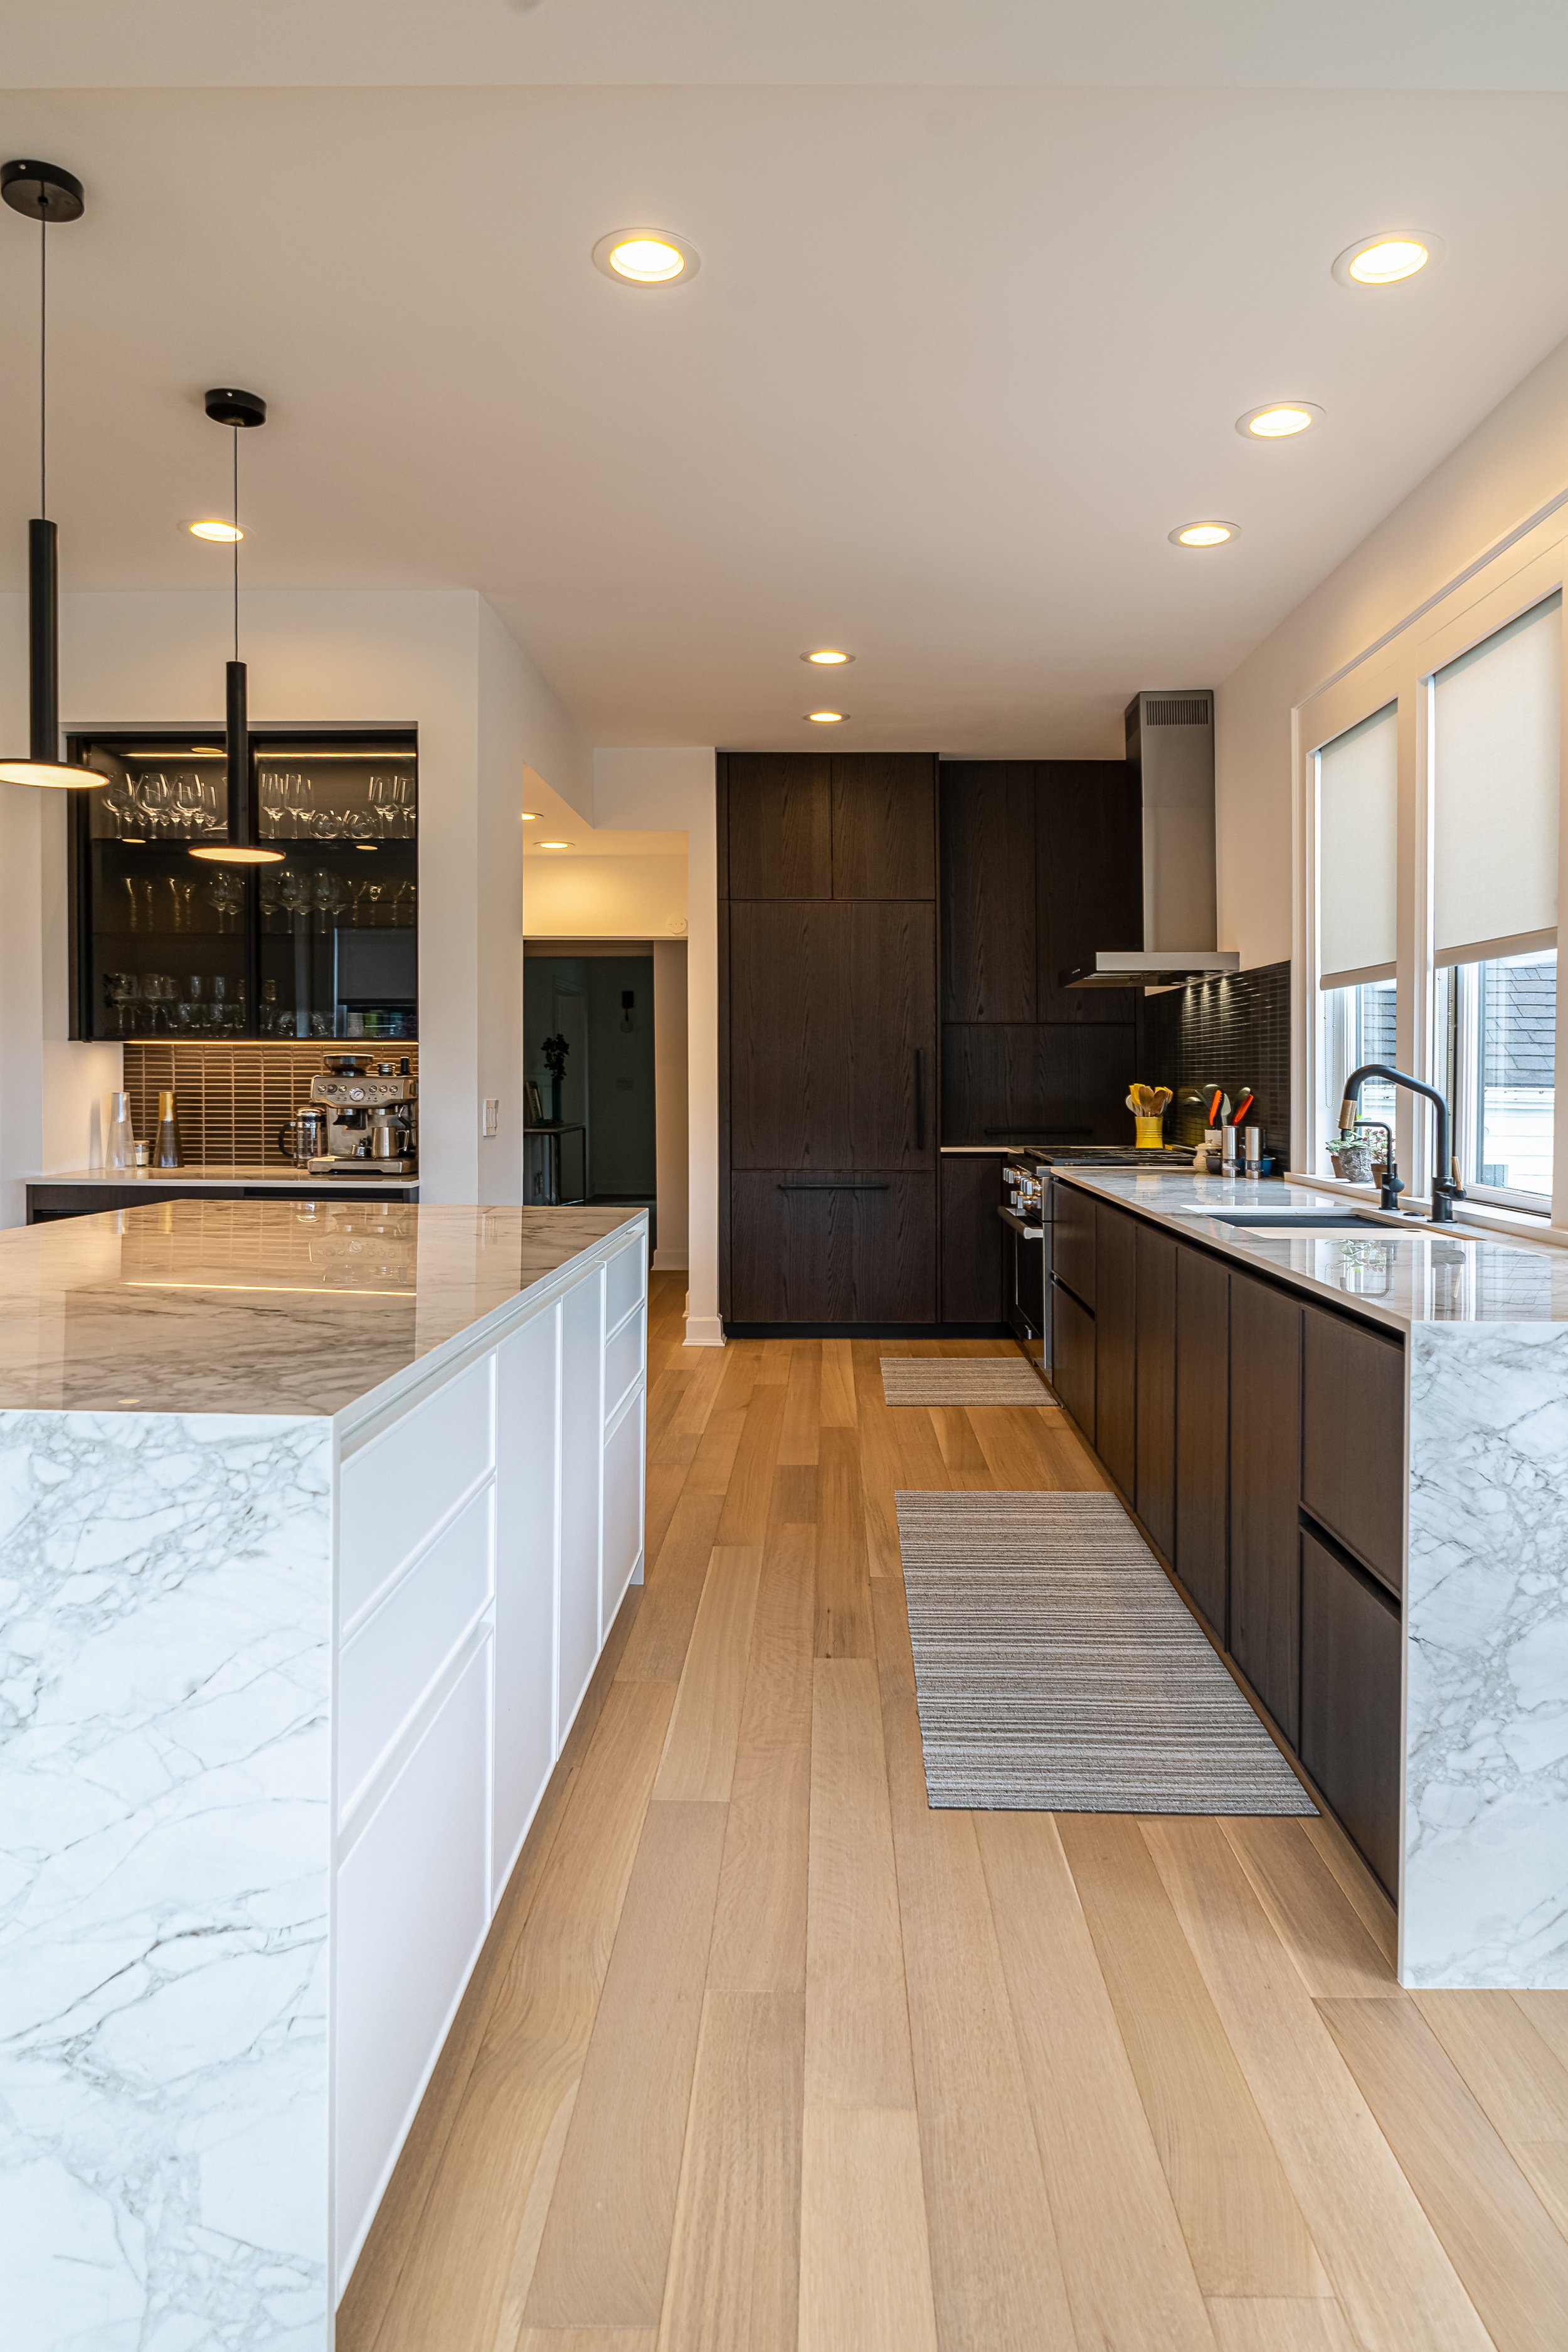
(1400, 1275)
(261, 1307)
(287, 1180)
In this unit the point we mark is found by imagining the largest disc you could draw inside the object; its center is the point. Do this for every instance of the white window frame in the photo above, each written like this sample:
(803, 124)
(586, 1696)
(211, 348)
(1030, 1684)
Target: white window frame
(1402, 671)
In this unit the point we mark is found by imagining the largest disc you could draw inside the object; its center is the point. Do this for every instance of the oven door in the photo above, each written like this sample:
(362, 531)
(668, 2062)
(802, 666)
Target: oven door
(1024, 1286)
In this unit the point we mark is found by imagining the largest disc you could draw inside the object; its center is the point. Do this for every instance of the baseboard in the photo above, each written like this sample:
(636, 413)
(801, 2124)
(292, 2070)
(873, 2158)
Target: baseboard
(868, 1331)
(669, 1260)
(704, 1332)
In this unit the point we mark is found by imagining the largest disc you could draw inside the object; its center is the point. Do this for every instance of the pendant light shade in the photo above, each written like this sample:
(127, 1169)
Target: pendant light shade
(238, 410)
(44, 193)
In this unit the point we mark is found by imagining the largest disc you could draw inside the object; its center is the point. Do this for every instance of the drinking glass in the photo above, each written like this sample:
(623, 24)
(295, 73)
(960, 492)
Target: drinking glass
(153, 798)
(180, 893)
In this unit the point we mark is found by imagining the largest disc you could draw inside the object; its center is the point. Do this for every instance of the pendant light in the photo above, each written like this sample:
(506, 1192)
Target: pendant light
(238, 410)
(42, 191)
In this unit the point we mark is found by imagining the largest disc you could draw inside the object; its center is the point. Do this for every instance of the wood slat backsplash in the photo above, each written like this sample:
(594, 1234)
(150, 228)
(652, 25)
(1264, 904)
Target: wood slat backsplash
(231, 1099)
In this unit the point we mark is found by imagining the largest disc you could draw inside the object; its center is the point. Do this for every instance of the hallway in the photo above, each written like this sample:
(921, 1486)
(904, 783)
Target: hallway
(763, 2053)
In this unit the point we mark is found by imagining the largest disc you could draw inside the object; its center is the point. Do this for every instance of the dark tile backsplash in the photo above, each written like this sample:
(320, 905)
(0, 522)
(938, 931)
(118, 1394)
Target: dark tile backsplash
(1234, 1032)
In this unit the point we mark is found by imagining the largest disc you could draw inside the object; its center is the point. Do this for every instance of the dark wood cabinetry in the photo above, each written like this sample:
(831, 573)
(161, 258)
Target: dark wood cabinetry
(1202, 1433)
(972, 1256)
(1265, 1494)
(1155, 1491)
(1116, 1344)
(829, 1040)
(1350, 1701)
(989, 948)
(1073, 1239)
(1072, 1357)
(1352, 1453)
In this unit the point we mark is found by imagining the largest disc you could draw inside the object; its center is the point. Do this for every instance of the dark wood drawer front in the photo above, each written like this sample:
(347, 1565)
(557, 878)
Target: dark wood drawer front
(1265, 1494)
(1352, 1465)
(1351, 1640)
(1073, 1240)
(1116, 1344)
(1203, 1432)
(779, 817)
(1155, 1494)
(972, 1237)
(845, 1248)
(884, 826)
(1072, 1357)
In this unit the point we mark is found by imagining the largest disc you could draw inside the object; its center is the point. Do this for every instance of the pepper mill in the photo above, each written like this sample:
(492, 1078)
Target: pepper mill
(166, 1150)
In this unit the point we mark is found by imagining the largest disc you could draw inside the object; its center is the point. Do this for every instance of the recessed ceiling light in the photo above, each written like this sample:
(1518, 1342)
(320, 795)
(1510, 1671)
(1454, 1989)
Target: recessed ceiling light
(645, 257)
(226, 531)
(555, 844)
(1279, 420)
(530, 816)
(827, 718)
(1204, 534)
(1384, 259)
(828, 658)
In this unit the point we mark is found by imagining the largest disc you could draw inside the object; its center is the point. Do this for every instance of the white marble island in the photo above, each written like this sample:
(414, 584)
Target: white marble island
(313, 1522)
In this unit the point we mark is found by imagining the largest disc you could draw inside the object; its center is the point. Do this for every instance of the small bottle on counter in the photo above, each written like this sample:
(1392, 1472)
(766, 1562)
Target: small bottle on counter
(120, 1143)
(166, 1149)
(1228, 1150)
(1252, 1137)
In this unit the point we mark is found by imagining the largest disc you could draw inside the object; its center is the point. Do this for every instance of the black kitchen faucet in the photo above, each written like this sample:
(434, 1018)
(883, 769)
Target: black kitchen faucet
(1446, 1188)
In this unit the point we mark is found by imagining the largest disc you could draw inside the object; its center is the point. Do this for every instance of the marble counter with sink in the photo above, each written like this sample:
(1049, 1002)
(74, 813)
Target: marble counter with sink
(314, 1520)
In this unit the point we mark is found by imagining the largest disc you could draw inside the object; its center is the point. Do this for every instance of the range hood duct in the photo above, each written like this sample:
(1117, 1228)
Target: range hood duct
(1170, 746)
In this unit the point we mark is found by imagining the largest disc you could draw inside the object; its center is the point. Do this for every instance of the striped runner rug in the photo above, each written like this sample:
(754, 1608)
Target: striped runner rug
(1058, 1671)
(961, 1379)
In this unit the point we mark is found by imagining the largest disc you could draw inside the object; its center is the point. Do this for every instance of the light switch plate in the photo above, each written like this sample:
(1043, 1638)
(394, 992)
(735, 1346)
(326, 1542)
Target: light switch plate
(490, 1123)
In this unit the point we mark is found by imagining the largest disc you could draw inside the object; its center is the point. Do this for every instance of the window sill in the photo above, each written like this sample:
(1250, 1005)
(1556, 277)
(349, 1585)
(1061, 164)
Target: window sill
(1513, 1224)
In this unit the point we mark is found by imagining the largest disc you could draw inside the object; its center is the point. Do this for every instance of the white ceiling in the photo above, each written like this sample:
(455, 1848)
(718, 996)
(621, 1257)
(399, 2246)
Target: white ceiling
(956, 361)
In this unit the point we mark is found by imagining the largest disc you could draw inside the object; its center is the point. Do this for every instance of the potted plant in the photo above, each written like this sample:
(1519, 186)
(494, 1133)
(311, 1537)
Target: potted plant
(555, 1050)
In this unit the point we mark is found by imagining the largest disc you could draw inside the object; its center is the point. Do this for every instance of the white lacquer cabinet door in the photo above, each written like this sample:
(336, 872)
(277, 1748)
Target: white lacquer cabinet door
(527, 1503)
(582, 1440)
(623, 1508)
(412, 1908)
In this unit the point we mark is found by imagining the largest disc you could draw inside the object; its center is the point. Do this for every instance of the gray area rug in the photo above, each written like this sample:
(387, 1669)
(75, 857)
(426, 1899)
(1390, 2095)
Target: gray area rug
(961, 1379)
(1058, 1671)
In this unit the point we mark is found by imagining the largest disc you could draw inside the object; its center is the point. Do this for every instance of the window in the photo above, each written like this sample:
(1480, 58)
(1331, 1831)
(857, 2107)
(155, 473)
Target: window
(1358, 1026)
(1357, 871)
(1497, 1032)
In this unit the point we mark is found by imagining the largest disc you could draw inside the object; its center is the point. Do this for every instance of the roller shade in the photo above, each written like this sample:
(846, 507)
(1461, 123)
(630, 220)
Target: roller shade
(1496, 759)
(1358, 826)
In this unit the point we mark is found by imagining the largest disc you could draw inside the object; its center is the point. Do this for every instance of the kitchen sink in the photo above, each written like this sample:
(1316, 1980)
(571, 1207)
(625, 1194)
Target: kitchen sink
(1298, 1221)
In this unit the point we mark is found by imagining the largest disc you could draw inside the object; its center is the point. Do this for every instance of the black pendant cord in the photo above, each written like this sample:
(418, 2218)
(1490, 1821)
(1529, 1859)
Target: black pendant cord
(235, 543)
(43, 368)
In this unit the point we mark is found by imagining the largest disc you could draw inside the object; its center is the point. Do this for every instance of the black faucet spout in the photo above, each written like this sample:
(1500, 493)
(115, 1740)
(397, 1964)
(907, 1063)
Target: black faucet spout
(1446, 1186)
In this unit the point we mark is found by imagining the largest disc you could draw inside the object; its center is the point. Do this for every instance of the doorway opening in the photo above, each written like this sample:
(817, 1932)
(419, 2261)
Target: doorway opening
(593, 1011)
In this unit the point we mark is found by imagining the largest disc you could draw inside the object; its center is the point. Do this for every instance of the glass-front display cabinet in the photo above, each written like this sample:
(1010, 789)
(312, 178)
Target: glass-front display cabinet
(324, 943)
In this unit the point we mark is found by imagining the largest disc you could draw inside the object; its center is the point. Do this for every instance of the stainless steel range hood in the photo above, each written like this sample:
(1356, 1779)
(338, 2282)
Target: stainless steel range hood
(1170, 740)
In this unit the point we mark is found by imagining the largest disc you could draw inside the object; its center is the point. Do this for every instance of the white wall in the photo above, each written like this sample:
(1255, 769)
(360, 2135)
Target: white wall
(441, 661)
(575, 898)
(1502, 473)
(672, 789)
(672, 1099)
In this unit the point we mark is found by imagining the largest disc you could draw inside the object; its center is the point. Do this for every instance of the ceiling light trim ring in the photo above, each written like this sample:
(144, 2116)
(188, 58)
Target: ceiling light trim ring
(691, 260)
(1226, 531)
(1308, 410)
(1433, 248)
(828, 657)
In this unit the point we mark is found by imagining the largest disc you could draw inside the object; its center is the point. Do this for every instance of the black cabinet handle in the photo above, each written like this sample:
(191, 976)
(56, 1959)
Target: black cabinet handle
(920, 1100)
(830, 1184)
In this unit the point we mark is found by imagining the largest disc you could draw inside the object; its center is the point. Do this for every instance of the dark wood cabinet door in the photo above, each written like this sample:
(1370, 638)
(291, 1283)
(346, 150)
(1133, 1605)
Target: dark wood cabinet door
(972, 1238)
(1116, 1343)
(1203, 1433)
(844, 1247)
(1072, 1239)
(884, 1028)
(1014, 1082)
(989, 949)
(1352, 1439)
(1072, 1357)
(1265, 1496)
(1154, 1495)
(1350, 1643)
(1090, 854)
(779, 825)
(884, 825)
(790, 1066)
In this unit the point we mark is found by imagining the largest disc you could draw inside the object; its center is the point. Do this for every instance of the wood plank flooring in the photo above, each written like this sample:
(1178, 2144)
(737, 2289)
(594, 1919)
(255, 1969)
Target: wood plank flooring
(764, 2056)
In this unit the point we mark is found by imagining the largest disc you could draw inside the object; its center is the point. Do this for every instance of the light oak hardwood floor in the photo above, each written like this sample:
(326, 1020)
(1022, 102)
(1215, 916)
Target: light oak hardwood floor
(763, 2054)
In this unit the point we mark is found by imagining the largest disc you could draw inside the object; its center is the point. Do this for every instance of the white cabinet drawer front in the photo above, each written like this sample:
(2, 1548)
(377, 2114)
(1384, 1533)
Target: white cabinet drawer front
(406, 1481)
(626, 1281)
(623, 1511)
(399, 1650)
(623, 1361)
(411, 1913)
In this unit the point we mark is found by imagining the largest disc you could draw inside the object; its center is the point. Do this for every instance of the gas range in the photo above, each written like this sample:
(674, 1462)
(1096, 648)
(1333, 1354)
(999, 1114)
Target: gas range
(1107, 1155)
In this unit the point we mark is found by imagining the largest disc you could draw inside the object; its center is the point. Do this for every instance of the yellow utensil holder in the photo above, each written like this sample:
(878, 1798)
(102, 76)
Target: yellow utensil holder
(1150, 1134)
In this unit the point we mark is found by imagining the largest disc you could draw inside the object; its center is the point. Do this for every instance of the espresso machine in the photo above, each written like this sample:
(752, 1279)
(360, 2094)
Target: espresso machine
(371, 1117)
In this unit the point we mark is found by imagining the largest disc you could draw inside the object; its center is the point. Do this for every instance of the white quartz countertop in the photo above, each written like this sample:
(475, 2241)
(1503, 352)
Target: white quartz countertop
(262, 1306)
(1402, 1275)
(286, 1179)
